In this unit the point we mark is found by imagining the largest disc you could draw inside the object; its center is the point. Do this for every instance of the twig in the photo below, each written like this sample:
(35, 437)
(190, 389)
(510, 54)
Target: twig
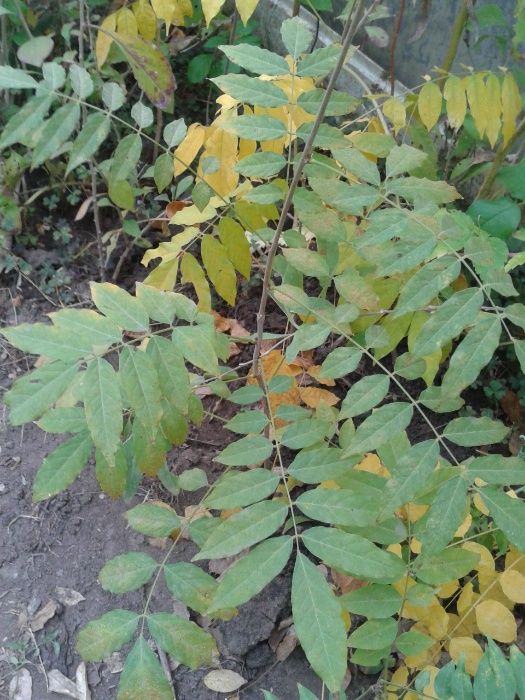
(165, 667)
(350, 29)
(393, 44)
(455, 37)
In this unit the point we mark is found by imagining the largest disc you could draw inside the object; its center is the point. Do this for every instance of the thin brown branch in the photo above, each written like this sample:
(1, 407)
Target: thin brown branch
(393, 44)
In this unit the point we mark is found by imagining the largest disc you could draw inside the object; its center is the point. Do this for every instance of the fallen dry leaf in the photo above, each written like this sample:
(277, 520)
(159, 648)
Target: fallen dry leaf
(312, 396)
(62, 685)
(21, 685)
(68, 596)
(346, 583)
(176, 205)
(287, 644)
(43, 615)
(223, 681)
(82, 684)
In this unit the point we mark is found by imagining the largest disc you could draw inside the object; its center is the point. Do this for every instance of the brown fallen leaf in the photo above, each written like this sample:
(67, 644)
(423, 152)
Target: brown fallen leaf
(223, 681)
(312, 396)
(287, 644)
(346, 583)
(43, 615)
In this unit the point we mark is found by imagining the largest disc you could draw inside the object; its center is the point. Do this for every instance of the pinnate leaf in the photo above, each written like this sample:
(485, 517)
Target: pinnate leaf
(127, 572)
(100, 638)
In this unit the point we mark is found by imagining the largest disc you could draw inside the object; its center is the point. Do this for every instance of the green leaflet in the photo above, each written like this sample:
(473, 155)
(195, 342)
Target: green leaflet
(445, 566)
(54, 342)
(89, 327)
(364, 395)
(127, 572)
(349, 199)
(304, 433)
(173, 377)
(375, 601)
(494, 677)
(264, 194)
(237, 489)
(341, 361)
(448, 321)
(471, 432)
(308, 262)
(195, 343)
(374, 634)
(404, 159)
(103, 406)
(353, 555)
(247, 394)
(113, 477)
(25, 121)
(63, 420)
(357, 164)
(496, 469)
(100, 638)
(322, 222)
(508, 514)
(142, 675)
(410, 474)
(261, 164)
(62, 466)
(413, 642)
(246, 451)
(379, 427)
(426, 284)
(241, 530)
(421, 190)
(256, 128)
(90, 138)
(126, 158)
(247, 422)
(255, 59)
(252, 573)
(473, 353)
(320, 62)
(251, 90)
(182, 639)
(191, 585)
(140, 384)
(153, 520)
(445, 515)
(312, 466)
(31, 395)
(296, 36)
(56, 131)
(318, 623)
(339, 104)
(340, 507)
(115, 303)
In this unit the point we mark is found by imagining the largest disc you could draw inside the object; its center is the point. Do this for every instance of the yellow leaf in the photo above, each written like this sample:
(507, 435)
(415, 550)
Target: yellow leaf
(477, 99)
(495, 621)
(103, 42)
(511, 105)
(223, 146)
(346, 619)
(490, 586)
(436, 619)
(126, 22)
(415, 545)
(454, 93)
(399, 678)
(329, 484)
(172, 11)
(395, 110)
(234, 240)
(493, 109)
(170, 249)
(371, 463)
(219, 268)
(188, 148)
(164, 276)
(486, 560)
(192, 273)
(312, 396)
(464, 527)
(245, 8)
(448, 589)
(513, 585)
(189, 216)
(470, 649)
(429, 104)
(516, 559)
(146, 19)
(211, 9)
(413, 512)
(479, 503)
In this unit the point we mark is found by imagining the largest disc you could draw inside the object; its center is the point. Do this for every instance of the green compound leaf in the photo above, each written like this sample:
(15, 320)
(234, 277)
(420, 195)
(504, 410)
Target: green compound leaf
(127, 572)
(191, 585)
(353, 555)
(100, 638)
(243, 529)
(237, 489)
(182, 639)
(318, 623)
(252, 573)
(62, 467)
(246, 451)
(471, 432)
(153, 520)
(142, 675)
(103, 406)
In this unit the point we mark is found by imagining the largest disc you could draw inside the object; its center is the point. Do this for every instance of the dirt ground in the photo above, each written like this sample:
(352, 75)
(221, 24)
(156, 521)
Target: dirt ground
(64, 542)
